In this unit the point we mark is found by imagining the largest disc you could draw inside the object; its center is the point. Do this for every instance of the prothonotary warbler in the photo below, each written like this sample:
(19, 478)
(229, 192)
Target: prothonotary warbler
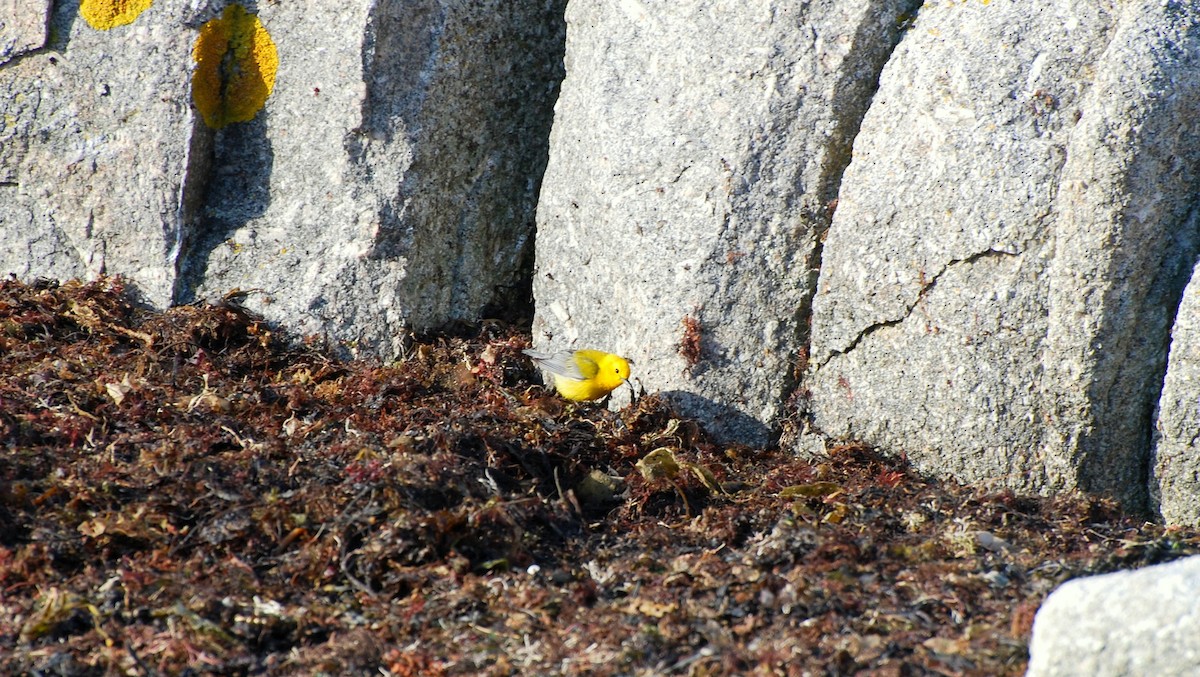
(583, 374)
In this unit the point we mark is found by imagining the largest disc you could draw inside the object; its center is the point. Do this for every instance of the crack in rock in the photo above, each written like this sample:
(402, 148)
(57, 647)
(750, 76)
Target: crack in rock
(925, 289)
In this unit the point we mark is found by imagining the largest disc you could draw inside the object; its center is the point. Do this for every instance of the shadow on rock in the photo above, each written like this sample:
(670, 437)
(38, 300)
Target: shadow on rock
(239, 190)
(724, 422)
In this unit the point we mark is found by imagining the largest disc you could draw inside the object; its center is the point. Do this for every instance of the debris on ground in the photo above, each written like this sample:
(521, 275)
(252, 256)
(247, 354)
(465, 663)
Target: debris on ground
(181, 491)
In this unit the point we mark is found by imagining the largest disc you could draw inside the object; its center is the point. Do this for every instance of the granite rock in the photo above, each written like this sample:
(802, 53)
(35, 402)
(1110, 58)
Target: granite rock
(997, 283)
(24, 27)
(1144, 622)
(696, 151)
(388, 185)
(99, 152)
(1175, 451)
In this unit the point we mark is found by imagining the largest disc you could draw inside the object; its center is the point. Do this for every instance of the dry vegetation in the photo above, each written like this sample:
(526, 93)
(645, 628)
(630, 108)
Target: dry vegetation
(180, 492)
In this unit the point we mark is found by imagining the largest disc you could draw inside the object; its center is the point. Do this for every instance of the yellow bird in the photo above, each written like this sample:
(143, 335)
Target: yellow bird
(583, 374)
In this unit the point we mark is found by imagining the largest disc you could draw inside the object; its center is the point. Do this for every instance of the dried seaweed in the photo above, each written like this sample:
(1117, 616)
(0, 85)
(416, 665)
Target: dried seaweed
(183, 491)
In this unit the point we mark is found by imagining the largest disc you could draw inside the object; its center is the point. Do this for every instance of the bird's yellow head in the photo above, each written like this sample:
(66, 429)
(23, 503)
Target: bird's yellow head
(612, 371)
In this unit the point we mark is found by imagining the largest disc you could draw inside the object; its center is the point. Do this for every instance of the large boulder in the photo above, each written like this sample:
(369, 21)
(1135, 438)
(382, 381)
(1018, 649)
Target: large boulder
(99, 151)
(391, 181)
(388, 185)
(696, 151)
(1175, 458)
(1144, 622)
(996, 287)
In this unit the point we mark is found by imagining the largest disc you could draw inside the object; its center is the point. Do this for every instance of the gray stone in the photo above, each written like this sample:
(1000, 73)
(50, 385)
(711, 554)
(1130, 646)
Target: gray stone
(994, 291)
(1175, 466)
(1126, 237)
(24, 25)
(390, 182)
(695, 152)
(1144, 622)
(97, 151)
(388, 185)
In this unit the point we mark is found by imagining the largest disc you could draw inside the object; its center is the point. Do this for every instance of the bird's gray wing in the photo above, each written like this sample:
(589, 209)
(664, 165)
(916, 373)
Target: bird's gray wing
(560, 364)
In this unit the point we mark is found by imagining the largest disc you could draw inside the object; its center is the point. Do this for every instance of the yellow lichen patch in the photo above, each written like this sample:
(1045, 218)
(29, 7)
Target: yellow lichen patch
(236, 62)
(105, 14)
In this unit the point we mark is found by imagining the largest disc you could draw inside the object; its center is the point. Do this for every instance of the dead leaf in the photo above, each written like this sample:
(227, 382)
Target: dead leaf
(118, 391)
(658, 465)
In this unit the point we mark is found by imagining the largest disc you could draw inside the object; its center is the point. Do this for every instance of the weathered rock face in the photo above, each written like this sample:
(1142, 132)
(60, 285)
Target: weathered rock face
(23, 27)
(1144, 622)
(1175, 459)
(1126, 239)
(695, 152)
(389, 184)
(998, 280)
(96, 151)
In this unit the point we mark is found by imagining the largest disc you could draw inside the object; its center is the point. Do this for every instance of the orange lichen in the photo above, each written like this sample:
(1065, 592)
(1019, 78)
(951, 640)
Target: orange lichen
(236, 62)
(105, 14)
